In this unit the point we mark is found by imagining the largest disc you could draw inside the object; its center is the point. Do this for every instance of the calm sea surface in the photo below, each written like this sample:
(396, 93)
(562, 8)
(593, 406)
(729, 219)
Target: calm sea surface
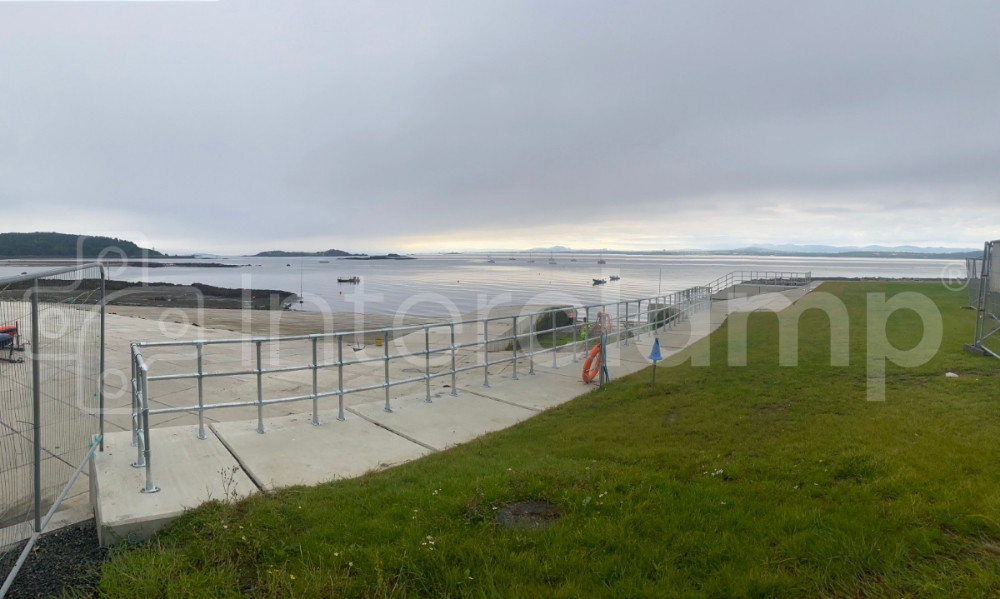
(439, 285)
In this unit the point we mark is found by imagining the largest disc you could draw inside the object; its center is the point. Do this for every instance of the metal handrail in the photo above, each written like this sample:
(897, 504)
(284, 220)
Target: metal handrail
(662, 311)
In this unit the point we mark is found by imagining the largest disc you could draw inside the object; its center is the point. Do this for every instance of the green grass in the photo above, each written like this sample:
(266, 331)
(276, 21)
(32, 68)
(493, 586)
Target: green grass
(719, 482)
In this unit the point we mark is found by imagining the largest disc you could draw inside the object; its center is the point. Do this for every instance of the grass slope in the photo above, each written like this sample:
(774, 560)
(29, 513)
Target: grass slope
(719, 482)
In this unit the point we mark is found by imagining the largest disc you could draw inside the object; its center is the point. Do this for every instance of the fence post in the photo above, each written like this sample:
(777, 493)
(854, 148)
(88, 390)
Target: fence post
(201, 394)
(427, 360)
(531, 343)
(315, 369)
(340, 376)
(486, 352)
(260, 392)
(101, 385)
(385, 358)
(454, 372)
(36, 407)
(514, 344)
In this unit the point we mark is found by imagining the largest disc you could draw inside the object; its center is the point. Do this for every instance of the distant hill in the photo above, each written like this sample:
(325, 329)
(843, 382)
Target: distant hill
(830, 249)
(283, 254)
(64, 245)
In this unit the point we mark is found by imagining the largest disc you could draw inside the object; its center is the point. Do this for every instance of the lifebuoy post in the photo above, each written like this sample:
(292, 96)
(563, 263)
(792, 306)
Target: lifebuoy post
(655, 357)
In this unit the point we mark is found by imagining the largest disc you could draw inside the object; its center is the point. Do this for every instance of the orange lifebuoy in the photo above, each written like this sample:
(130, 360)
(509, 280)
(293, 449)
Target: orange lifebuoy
(592, 365)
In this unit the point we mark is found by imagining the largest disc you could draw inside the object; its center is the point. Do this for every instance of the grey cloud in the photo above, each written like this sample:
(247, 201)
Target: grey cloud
(320, 119)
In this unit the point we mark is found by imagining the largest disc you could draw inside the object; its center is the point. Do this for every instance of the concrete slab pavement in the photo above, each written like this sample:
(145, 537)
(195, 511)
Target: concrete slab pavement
(188, 472)
(293, 451)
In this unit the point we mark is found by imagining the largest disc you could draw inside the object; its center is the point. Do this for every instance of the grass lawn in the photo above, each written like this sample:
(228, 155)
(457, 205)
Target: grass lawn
(718, 482)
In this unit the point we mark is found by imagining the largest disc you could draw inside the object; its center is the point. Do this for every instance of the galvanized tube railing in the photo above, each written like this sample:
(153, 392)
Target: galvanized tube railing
(662, 312)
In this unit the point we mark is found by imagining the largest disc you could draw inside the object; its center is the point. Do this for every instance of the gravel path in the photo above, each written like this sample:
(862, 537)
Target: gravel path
(64, 559)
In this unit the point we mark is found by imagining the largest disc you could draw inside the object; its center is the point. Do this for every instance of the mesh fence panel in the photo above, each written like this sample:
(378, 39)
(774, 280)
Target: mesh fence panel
(988, 324)
(973, 268)
(68, 354)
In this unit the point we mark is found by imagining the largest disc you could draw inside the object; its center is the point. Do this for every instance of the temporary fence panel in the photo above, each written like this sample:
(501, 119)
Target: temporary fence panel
(988, 306)
(974, 270)
(51, 398)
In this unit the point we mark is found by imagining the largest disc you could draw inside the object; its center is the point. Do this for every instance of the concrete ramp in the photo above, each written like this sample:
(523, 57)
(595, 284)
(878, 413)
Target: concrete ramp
(189, 472)
(293, 451)
(447, 421)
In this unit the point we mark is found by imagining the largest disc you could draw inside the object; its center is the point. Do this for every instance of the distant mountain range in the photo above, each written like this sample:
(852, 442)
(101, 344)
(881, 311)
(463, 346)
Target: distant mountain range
(792, 250)
(830, 249)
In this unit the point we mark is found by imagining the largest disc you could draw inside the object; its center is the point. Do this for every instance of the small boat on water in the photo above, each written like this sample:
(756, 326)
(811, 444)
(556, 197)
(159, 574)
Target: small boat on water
(530, 259)
(601, 259)
(512, 256)
(615, 278)
(490, 260)
(551, 259)
(350, 280)
(324, 261)
(600, 281)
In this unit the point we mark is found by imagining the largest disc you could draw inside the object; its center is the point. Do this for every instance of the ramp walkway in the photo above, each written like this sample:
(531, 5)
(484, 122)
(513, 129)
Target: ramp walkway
(457, 399)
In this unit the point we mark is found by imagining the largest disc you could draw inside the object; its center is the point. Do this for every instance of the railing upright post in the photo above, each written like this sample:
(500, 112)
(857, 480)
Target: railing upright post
(201, 393)
(514, 345)
(555, 346)
(486, 352)
(531, 343)
(427, 360)
(575, 334)
(340, 377)
(147, 455)
(454, 370)
(626, 323)
(135, 406)
(260, 391)
(385, 359)
(315, 393)
(618, 323)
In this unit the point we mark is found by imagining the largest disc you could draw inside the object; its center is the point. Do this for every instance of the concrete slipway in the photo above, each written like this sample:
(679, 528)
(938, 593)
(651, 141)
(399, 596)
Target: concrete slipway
(235, 460)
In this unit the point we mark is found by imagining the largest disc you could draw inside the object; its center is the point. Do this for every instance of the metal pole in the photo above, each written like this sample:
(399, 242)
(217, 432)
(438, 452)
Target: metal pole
(626, 323)
(555, 343)
(340, 377)
(260, 392)
(454, 371)
(135, 408)
(150, 487)
(101, 382)
(36, 404)
(531, 343)
(575, 334)
(618, 321)
(427, 360)
(486, 352)
(315, 397)
(385, 359)
(514, 341)
(201, 394)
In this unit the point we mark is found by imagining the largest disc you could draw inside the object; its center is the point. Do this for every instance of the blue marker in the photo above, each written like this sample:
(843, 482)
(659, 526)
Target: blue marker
(655, 356)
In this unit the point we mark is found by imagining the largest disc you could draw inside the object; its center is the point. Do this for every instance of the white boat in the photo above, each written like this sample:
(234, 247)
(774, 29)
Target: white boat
(551, 259)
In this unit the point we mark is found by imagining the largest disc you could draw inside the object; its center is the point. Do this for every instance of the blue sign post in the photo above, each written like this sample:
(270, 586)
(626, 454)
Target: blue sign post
(655, 357)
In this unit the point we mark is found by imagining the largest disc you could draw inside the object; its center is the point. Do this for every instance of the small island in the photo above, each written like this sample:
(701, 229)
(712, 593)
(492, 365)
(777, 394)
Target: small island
(284, 254)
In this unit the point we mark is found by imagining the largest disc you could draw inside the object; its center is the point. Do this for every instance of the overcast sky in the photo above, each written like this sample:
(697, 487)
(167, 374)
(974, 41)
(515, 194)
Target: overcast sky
(240, 125)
